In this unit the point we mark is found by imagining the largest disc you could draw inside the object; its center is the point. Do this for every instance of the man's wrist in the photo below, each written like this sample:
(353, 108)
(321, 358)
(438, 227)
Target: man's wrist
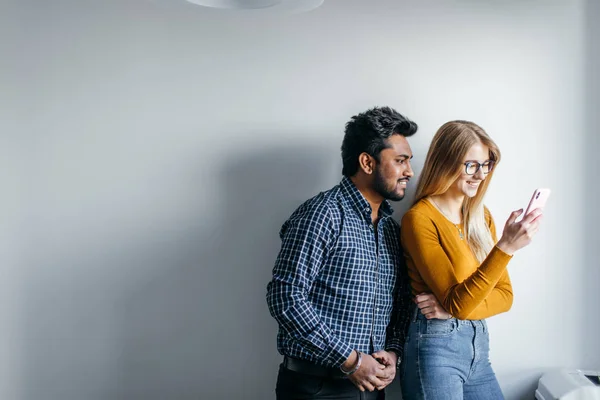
(350, 361)
(355, 365)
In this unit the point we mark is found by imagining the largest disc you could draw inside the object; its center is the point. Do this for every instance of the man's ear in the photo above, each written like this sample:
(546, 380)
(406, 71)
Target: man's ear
(366, 162)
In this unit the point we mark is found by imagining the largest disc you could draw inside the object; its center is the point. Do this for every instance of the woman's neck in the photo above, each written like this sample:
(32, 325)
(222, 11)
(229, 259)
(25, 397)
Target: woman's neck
(450, 204)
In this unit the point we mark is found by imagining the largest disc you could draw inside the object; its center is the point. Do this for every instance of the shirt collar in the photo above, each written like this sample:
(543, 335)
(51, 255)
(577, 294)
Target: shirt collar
(360, 203)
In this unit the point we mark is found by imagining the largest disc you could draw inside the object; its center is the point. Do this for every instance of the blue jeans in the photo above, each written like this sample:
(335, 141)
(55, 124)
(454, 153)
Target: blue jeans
(448, 360)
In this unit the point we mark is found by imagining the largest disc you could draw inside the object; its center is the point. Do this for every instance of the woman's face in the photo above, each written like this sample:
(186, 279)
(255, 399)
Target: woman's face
(468, 182)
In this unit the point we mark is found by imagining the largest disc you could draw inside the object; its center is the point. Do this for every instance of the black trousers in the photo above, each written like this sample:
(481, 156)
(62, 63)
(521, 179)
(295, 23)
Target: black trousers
(293, 385)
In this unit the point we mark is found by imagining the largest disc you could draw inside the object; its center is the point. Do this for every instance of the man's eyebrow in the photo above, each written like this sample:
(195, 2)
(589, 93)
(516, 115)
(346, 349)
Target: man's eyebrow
(405, 156)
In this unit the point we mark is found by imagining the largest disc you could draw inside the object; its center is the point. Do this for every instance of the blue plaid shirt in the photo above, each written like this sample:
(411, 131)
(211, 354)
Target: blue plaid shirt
(336, 286)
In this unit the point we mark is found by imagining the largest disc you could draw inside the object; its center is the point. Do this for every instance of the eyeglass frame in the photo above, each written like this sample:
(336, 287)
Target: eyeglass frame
(479, 166)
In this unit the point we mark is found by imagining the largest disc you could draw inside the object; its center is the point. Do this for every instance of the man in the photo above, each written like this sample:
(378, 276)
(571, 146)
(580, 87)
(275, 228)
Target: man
(339, 290)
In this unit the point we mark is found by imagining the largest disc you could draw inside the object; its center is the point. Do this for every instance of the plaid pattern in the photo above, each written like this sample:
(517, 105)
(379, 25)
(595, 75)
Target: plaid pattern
(336, 288)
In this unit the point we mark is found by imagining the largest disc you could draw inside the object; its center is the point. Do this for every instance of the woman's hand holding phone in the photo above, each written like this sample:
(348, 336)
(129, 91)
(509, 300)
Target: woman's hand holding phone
(517, 235)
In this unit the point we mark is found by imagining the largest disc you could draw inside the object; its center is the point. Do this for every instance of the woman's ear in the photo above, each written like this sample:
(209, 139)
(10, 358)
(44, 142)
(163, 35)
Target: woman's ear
(367, 163)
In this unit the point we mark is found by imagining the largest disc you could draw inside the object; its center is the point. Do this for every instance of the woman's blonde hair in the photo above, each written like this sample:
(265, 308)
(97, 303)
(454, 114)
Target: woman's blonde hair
(444, 165)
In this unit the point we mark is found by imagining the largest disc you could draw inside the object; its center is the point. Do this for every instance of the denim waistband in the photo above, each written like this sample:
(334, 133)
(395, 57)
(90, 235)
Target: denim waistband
(417, 315)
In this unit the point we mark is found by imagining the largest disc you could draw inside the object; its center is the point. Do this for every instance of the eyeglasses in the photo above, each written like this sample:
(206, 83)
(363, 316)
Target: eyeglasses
(472, 167)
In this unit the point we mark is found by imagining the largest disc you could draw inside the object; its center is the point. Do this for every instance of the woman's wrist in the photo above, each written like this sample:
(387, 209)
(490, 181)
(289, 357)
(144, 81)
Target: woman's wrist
(505, 247)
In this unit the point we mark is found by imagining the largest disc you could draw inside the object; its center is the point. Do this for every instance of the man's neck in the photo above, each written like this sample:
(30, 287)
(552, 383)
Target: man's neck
(373, 198)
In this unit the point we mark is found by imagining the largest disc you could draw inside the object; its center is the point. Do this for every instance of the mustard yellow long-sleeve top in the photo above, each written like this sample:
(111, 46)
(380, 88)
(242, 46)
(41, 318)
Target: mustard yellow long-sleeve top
(442, 263)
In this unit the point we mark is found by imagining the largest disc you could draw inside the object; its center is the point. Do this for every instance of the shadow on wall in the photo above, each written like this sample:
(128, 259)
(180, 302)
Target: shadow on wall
(202, 330)
(591, 294)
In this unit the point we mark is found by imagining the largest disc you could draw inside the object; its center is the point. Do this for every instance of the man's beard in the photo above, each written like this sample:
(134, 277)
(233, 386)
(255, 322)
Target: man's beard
(384, 190)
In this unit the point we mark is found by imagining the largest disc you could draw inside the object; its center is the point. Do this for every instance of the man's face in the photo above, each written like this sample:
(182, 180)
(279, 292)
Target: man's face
(393, 171)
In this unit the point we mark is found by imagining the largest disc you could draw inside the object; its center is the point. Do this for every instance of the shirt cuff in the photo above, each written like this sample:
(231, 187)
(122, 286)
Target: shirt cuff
(396, 349)
(339, 350)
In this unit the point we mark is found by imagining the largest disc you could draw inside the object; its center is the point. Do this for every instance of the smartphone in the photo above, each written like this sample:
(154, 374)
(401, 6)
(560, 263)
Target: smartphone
(538, 200)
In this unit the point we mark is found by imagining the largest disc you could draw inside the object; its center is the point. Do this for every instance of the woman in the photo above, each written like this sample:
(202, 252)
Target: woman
(450, 245)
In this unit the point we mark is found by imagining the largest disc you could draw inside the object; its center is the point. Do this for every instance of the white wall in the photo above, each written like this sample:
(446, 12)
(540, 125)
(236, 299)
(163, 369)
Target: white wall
(151, 151)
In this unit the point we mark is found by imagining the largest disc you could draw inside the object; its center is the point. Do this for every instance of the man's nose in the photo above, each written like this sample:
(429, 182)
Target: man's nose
(409, 171)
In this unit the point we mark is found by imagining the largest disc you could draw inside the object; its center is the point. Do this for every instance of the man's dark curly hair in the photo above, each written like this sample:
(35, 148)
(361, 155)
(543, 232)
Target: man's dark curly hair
(367, 133)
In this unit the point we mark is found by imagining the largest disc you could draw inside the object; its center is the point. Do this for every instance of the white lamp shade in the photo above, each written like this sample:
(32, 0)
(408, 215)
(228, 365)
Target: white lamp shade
(265, 6)
(236, 4)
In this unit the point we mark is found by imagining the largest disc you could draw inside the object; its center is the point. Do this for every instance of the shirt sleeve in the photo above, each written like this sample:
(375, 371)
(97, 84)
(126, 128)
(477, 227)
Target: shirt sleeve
(460, 298)
(306, 238)
(501, 298)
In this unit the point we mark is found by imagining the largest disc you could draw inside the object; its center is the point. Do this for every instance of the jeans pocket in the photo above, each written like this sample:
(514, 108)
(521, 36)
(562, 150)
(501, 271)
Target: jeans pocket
(438, 327)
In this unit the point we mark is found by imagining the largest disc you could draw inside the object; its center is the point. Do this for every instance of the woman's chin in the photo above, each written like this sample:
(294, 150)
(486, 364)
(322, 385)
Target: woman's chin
(470, 192)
